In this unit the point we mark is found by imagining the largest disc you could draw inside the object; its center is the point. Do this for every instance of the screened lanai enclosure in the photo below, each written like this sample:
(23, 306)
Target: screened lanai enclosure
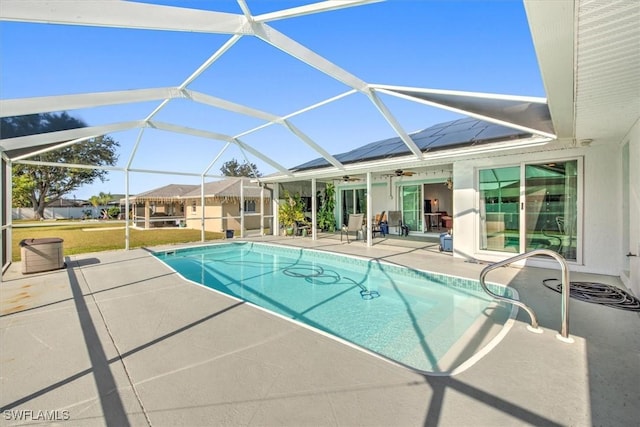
(184, 87)
(199, 113)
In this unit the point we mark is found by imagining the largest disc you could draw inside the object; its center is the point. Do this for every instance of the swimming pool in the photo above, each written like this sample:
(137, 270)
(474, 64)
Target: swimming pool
(412, 317)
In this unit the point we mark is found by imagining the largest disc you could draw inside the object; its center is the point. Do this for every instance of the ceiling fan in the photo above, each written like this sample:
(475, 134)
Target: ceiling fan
(348, 178)
(400, 172)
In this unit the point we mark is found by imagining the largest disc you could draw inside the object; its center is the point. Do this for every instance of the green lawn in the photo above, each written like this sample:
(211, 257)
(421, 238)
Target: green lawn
(86, 237)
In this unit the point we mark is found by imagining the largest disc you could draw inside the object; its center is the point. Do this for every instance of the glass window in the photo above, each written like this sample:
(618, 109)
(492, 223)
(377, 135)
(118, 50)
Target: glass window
(551, 207)
(499, 213)
(546, 194)
(353, 201)
(249, 205)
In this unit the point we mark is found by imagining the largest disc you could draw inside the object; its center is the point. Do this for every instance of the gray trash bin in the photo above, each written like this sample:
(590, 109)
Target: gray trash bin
(446, 242)
(41, 254)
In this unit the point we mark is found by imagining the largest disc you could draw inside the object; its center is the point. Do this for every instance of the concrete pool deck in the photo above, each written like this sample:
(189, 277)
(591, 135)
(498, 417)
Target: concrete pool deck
(119, 339)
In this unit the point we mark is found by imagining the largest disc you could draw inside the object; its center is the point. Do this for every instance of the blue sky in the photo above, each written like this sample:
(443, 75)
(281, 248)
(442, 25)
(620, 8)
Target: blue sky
(482, 46)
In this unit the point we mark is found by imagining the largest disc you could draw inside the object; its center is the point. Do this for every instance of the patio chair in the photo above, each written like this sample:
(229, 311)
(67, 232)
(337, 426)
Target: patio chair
(395, 220)
(380, 225)
(354, 225)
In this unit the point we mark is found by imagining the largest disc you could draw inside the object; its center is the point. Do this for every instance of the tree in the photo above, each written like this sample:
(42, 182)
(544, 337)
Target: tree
(95, 202)
(101, 199)
(233, 168)
(22, 186)
(43, 185)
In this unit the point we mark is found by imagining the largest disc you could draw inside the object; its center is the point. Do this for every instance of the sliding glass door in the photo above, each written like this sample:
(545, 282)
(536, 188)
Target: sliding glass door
(551, 191)
(412, 207)
(530, 206)
(353, 201)
(499, 213)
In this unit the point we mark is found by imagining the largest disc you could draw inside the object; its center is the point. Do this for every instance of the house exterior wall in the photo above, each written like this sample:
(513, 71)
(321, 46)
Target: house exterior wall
(380, 198)
(600, 210)
(633, 203)
(604, 239)
(222, 217)
(193, 216)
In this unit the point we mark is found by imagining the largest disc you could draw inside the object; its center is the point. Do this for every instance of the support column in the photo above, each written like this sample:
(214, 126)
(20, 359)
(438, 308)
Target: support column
(369, 211)
(126, 211)
(147, 221)
(274, 203)
(314, 213)
(241, 207)
(202, 218)
(261, 209)
(5, 215)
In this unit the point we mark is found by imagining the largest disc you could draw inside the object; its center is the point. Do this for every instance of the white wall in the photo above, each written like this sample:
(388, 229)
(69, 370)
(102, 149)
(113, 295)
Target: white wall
(603, 210)
(634, 209)
(380, 198)
(57, 212)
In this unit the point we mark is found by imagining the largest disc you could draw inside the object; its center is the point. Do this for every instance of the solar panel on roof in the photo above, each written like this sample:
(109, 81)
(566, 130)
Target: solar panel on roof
(454, 139)
(452, 134)
(458, 126)
(397, 148)
(373, 150)
(496, 131)
(424, 143)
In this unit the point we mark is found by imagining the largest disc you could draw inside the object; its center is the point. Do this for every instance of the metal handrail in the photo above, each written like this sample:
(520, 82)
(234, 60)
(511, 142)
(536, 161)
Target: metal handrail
(565, 287)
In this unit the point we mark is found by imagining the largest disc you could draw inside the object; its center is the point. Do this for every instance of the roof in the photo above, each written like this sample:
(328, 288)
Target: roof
(453, 134)
(226, 188)
(171, 191)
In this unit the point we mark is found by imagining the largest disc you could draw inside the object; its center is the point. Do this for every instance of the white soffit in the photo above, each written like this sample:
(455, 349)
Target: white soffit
(551, 25)
(589, 57)
(608, 69)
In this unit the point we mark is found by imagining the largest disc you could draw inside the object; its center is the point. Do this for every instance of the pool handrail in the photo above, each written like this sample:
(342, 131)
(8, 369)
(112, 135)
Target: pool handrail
(564, 332)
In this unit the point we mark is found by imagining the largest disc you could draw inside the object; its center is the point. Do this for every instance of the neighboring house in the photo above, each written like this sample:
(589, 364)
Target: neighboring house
(66, 203)
(181, 205)
(160, 207)
(231, 204)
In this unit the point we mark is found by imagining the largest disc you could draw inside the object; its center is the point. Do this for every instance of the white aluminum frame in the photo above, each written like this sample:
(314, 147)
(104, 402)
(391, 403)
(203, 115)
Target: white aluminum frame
(144, 16)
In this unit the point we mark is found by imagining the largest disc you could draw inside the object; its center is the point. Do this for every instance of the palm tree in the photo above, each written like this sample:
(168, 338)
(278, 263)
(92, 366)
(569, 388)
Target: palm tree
(103, 200)
(95, 202)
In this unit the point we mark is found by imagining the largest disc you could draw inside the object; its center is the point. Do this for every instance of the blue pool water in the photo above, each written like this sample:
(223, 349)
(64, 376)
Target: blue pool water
(410, 316)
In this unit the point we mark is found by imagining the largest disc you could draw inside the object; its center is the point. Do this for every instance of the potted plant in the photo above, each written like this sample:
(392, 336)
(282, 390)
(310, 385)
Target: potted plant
(326, 218)
(290, 212)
